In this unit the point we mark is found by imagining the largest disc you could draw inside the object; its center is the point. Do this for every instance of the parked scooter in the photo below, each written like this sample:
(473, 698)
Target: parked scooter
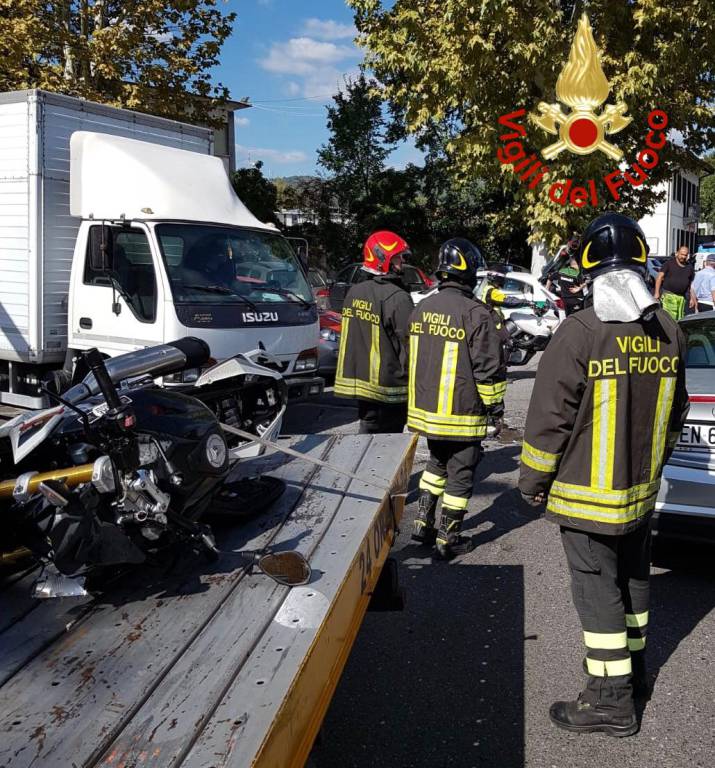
(128, 472)
(530, 329)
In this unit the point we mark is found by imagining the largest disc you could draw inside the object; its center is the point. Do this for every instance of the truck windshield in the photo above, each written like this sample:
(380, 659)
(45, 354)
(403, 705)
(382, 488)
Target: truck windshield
(222, 265)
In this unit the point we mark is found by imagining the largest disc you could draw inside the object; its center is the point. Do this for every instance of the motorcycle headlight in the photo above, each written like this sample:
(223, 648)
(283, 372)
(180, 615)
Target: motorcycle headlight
(329, 335)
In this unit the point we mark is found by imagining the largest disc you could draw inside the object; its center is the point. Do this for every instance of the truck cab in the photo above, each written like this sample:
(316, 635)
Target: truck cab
(152, 264)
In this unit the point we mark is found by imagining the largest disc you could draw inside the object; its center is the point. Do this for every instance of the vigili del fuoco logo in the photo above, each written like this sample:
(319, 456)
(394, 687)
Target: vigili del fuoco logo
(582, 129)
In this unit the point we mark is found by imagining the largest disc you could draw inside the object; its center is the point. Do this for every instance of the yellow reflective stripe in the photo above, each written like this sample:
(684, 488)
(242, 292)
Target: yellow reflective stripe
(445, 396)
(636, 643)
(637, 619)
(613, 498)
(492, 389)
(491, 394)
(375, 355)
(435, 490)
(602, 514)
(362, 384)
(666, 390)
(617, 668)
(414, 341)
(541, 461)
(343, 346)
(608, 641)
(454, 502)
(604, 432)
(446, 430)
(430, 477)
(457, 419)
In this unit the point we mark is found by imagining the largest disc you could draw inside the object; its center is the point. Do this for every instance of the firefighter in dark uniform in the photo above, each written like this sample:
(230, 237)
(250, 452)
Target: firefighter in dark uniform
(372, 361)
(608, 404)
(457, 380)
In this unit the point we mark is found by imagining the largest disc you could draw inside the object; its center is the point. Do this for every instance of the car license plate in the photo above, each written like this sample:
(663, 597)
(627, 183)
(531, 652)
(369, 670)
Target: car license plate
(697, 437)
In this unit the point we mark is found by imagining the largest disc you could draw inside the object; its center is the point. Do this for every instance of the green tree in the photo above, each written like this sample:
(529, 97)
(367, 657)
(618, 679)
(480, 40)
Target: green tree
(357, 148)
(154, 55)
(463, 64)
(258, 194)
(707, 194)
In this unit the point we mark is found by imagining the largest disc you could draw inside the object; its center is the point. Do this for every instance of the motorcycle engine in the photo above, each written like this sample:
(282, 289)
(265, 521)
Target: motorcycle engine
(139, 499)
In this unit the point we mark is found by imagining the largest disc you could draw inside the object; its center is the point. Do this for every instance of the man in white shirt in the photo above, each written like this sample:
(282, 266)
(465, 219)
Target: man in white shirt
(703, 287)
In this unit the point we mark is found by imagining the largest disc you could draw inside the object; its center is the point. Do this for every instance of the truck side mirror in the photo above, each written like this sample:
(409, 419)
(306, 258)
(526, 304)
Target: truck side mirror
(101, 248)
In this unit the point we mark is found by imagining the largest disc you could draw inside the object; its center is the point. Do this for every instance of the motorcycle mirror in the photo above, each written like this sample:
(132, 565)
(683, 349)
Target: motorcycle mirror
(289, 568)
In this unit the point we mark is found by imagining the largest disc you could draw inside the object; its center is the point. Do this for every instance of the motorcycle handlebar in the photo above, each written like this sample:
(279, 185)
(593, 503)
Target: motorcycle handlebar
(154, 361)
(101, 376)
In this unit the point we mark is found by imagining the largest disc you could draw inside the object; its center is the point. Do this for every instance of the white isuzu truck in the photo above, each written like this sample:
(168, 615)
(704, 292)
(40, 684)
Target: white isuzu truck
(120, 230)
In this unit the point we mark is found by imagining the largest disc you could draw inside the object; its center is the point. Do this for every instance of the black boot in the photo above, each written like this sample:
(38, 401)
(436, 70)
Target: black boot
(641, 684)
(605, 706)
(449, 543)
(423, 529)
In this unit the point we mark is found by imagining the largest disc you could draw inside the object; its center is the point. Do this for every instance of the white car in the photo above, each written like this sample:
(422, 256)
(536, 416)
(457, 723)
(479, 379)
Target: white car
(685, 509)
(512, 284)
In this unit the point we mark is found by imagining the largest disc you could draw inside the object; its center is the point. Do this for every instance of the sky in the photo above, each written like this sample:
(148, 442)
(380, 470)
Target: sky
(289, 57)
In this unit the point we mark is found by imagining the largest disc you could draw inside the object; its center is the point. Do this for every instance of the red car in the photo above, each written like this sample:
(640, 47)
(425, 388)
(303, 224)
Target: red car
(329, 342)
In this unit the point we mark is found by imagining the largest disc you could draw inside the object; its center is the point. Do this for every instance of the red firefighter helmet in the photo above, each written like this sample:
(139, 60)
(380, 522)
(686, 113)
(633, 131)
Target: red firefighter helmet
(380, 249)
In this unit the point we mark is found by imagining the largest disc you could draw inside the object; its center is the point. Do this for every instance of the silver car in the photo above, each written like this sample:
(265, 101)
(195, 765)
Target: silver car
(685, 509)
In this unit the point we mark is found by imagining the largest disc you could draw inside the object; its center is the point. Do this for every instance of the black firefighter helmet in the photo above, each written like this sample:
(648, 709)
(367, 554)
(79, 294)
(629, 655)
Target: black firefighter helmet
(459, 259)
(610, 242)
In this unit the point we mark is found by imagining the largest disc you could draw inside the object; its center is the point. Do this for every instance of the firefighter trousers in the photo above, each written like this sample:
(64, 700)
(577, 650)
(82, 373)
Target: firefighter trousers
(450, 471)
(609, 583)
(381, 418)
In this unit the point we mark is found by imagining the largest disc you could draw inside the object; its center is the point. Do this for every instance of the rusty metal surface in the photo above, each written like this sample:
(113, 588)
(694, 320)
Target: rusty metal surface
(138, 673)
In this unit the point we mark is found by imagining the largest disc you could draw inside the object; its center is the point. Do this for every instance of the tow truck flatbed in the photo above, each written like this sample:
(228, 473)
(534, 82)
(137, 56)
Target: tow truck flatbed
(208, 666)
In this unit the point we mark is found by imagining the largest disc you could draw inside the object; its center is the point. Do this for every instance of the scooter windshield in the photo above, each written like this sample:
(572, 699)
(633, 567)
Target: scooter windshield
(209, 264)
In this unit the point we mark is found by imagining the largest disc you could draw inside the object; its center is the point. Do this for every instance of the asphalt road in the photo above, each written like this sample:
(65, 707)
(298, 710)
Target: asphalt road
(464, 676)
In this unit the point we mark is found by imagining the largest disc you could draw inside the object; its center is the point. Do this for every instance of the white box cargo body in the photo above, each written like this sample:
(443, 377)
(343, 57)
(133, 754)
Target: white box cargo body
(37, 233)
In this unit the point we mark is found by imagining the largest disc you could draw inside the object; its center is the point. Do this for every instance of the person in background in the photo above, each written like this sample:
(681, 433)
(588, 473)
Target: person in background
(672, 286)
(568, 284)
(703, 290)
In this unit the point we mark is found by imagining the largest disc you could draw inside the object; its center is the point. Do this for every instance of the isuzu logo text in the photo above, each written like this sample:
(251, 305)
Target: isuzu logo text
(260, 317)
(582, 86)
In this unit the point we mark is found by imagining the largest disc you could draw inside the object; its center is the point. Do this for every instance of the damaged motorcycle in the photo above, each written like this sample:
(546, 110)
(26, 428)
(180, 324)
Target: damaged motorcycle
(122, 469)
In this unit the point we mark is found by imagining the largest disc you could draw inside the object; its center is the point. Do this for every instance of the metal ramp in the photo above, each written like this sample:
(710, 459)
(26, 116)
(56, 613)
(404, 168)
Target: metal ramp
(207, 666)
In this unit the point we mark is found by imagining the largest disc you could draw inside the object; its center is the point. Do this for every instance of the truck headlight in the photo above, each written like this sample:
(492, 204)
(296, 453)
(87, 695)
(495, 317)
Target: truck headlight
(307, 360)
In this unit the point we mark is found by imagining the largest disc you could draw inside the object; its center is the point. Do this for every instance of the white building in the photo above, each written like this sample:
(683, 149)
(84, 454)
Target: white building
(674, 222)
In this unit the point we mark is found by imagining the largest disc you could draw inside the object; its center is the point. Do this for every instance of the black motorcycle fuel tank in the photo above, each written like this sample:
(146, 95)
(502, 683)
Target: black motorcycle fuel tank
(186, 429)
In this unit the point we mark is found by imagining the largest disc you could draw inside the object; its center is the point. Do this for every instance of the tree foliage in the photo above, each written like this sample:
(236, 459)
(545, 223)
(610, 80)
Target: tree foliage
(361, 194)
(462, 64)
(707, 194)
(257, 193)
(153, 55)
(357, 148)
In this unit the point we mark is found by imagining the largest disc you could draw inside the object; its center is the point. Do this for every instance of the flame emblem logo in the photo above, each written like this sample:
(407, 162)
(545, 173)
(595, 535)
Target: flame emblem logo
(582, 85)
